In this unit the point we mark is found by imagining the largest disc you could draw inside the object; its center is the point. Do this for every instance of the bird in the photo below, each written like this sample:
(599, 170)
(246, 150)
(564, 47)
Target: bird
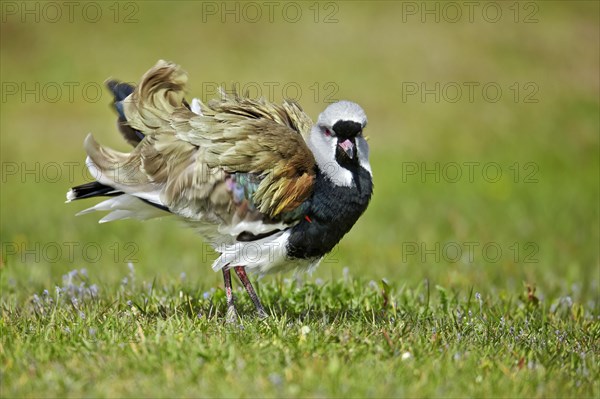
(269, 189)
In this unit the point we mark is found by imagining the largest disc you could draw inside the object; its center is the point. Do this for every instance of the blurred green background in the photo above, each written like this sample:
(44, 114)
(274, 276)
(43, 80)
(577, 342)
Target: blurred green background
(402, 63)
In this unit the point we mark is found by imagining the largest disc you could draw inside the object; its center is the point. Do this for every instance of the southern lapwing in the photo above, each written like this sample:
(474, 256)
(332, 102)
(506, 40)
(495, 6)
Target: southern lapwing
(265, 186)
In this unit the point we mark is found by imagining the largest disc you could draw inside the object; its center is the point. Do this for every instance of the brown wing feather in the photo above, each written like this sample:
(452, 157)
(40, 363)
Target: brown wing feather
(188, 158)
(261, 145)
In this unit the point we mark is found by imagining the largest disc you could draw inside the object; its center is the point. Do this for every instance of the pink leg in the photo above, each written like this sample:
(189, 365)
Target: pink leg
(231, 313)
(241, 272)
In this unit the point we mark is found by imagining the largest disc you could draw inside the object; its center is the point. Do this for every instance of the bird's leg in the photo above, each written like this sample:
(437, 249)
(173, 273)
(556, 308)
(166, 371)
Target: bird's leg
(241, 272)
(231, 313)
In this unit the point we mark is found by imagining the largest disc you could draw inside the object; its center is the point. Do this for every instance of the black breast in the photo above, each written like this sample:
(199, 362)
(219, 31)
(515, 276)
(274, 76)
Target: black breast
(332, 213)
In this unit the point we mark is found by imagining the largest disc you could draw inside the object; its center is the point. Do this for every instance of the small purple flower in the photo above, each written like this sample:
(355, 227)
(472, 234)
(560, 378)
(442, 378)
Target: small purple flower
(346, 273)
(275, 379)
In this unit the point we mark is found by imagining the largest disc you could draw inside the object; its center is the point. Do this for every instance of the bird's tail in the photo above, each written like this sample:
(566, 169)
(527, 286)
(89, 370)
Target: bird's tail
(121, 92)
(151, 104)
(142, 111)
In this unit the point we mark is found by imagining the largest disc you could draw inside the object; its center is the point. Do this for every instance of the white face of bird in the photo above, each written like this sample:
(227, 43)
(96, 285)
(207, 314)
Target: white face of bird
(338, 144)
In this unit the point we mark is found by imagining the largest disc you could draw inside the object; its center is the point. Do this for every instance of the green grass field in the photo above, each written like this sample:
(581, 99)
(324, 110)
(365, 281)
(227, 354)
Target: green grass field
(474, 272)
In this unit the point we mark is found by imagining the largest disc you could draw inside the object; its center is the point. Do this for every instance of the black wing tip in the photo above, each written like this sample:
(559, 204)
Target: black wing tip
(97, 189)
(120, 90)
(91, 189)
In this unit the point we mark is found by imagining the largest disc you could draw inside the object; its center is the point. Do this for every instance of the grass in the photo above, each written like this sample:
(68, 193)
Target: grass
(343, 338)
(520, 323)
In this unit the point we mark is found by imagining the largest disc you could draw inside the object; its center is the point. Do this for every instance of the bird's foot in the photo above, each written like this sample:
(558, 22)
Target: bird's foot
(262, 314)
(231, 317)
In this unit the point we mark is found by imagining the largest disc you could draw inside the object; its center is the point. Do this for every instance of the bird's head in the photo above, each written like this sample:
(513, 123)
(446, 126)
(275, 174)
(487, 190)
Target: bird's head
(337, 141)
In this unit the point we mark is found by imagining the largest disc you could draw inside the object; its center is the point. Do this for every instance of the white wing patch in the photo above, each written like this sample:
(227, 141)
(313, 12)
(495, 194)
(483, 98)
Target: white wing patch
(260, 254)
(137, 191)
(196, 107)
(254, 227)
(268, 255)
(125, 207)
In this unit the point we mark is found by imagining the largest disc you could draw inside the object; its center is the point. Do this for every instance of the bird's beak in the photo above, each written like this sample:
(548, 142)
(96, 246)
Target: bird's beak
(348, 147)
